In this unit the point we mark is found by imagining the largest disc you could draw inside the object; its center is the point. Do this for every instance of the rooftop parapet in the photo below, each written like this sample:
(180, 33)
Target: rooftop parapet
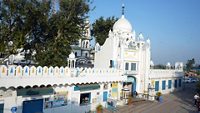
(165, 73)
(15, 76)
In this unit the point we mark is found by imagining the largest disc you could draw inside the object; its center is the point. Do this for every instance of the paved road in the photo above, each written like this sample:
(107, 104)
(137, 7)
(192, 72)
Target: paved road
(179, 102)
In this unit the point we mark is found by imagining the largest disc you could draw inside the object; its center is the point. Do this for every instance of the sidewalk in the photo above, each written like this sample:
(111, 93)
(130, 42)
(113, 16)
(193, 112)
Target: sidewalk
(179, 102)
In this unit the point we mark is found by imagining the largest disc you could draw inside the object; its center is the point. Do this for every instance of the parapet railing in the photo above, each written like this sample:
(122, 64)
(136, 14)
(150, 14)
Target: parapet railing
(18, 76)
(13, 71)
(165, 73)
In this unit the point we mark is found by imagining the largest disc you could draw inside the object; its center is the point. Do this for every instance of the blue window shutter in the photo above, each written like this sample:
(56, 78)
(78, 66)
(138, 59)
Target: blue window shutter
(175, 83)
(163, 84)
(156, 85)
(169, 84)
(105, 96)
(179, 82)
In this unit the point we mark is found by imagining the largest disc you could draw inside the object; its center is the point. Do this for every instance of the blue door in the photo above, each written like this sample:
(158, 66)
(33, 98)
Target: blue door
(133, 88)
(33, 106)
(1, 108)
(132, 80)
(105, 96)
(156, 85)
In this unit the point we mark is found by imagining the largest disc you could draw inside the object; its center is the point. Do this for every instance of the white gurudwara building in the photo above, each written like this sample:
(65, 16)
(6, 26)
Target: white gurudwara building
(131, 54)
(122, 67)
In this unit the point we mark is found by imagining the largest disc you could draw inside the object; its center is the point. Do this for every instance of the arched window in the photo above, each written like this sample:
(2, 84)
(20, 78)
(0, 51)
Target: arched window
(72, 63)
(69, 64)
(86, 46)
(83, 44)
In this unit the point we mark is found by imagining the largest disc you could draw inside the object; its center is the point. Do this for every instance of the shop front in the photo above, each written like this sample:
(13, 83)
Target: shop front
(86, 92)
(33, 98)
(85, 98)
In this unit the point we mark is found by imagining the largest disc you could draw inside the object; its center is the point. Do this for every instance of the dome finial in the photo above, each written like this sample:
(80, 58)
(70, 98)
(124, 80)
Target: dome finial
(123, 7)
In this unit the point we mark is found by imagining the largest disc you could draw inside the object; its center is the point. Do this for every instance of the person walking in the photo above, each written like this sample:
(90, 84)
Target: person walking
(196, 97)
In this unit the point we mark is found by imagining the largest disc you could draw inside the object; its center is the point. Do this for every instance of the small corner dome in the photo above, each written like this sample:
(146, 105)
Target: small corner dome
(122, 25)
(71, 55)
(151, 63)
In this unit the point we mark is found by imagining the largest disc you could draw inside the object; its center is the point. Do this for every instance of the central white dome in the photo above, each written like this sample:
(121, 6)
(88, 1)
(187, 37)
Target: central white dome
(122, 25)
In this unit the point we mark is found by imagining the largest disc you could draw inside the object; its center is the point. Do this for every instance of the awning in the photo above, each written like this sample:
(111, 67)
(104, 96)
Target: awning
(34, 91)
(86, 87)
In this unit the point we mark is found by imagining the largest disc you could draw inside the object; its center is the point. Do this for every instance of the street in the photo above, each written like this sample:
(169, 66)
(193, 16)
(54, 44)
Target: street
(178, 102)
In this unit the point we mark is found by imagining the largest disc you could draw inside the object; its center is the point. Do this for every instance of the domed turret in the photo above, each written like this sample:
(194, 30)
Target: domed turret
(71, 55)
(122, 25)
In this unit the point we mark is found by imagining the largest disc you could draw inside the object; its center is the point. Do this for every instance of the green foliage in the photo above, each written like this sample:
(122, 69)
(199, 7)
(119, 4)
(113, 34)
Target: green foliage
(158, 94)
(159, 66)
(12, 25)
(44, 34)
(198, 72)
(101, 28)
(99, 107)
(190, 64)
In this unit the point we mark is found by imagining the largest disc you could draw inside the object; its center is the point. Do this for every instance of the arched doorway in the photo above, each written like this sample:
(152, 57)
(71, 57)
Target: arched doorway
(131, 84)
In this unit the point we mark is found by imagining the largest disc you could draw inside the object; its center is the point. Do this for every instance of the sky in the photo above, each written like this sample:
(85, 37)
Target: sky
(173, 26)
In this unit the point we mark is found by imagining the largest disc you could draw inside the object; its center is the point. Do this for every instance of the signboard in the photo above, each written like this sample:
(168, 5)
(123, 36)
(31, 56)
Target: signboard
(129, 54)
(114, 89)
(59, 99)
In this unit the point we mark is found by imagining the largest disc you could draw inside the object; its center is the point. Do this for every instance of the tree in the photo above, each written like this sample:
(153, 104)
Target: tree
(101, 28)
(12, 29)
(189, 64)
(66, 26)
(44, 34)
(23, 22)
(159, 66)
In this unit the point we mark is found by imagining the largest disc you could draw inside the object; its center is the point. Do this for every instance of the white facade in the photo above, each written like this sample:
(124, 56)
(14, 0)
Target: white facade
(125, 51)
(121, 64)
(62, 81)
(131, 54)
(166, 76)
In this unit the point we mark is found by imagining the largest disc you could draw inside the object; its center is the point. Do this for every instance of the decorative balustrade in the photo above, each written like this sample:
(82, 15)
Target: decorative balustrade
(15, 76)
(165, 73)
(14, 71)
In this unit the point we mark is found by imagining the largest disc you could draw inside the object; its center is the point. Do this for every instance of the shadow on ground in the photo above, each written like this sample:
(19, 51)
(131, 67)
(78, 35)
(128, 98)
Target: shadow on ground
(185, 97)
